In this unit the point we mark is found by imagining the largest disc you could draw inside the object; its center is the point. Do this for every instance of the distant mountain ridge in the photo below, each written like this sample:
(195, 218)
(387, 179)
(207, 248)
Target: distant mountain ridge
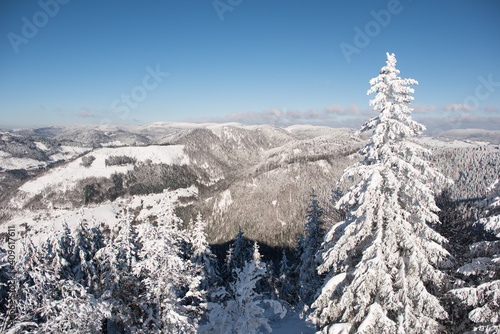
(472, 134)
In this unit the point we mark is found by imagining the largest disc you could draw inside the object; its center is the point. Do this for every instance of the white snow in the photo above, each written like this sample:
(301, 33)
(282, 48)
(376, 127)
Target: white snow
(41, 146)
(442, 142)
(68, 152)
(40, 222)
(65, 177)
(151, 203)
(492, 224)
(477, 266)
(9, 162)
(225, 201)
(292, 324)
(324, 165)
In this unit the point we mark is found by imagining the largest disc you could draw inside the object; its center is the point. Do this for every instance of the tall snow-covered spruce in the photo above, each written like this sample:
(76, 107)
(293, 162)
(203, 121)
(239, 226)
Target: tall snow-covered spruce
(382, 260)
(309, 280)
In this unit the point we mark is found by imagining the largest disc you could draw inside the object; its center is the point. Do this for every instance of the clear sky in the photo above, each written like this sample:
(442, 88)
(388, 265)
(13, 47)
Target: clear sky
(281, 62)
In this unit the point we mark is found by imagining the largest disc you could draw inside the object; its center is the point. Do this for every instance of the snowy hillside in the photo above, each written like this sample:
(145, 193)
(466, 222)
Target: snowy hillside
(65, 177)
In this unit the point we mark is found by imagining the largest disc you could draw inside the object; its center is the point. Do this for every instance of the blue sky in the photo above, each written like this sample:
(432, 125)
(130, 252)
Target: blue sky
(279, 62)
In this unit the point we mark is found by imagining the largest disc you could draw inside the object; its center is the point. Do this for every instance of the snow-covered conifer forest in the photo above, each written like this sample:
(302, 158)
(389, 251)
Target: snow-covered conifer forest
(227, 228)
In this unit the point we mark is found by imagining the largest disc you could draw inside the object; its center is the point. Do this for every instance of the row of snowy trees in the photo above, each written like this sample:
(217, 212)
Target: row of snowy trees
(153, 277)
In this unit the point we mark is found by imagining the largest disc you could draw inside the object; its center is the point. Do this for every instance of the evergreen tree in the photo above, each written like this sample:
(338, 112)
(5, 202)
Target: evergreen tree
(56, 252)
(46, 297)
(257, 258)
(202, 255)
(116, 283)
(5, 275)
(309, 280)
(88, 240)
(166, 275)
(286, 287)
(239, 253)
(242, 312)
(382, 260)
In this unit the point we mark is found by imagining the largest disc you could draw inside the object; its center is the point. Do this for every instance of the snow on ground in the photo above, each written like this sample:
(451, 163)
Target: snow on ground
(65, 177)
(151, 203)
(68, 152)
(447, 143)
(41, 222)
(225, 201)
(292, 324)
(41, 146)
(9, 162)
(324, 165)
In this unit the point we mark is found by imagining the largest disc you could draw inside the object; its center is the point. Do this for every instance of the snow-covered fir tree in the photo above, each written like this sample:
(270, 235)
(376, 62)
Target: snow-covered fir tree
(238, 254)
(166, 275)
(202, 255)
(308, 278)
(47, 298)
(88, 239)
(265, 286)
(382, 261)
(257, 257)
(116, 283)
(286, 285)
(242, 312)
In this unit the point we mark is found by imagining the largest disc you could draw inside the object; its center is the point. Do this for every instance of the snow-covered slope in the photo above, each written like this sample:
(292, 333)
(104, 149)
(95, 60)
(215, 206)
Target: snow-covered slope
(66, 176)
(40, 223)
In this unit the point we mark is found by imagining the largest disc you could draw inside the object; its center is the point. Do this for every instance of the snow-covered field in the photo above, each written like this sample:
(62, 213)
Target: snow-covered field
(42, 222)
(65, 177)
(8, 162)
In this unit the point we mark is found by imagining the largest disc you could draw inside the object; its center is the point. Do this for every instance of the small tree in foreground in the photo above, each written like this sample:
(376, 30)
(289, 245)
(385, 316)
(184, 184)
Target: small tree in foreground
(243, 312)
(309, 280)
(382, 260)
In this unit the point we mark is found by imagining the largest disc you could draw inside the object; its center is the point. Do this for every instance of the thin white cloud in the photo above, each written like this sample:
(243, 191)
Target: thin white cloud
(422, 108)
(491, 109)
(334, 109)
(351, 110)
(85, 113)
(458, 107)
